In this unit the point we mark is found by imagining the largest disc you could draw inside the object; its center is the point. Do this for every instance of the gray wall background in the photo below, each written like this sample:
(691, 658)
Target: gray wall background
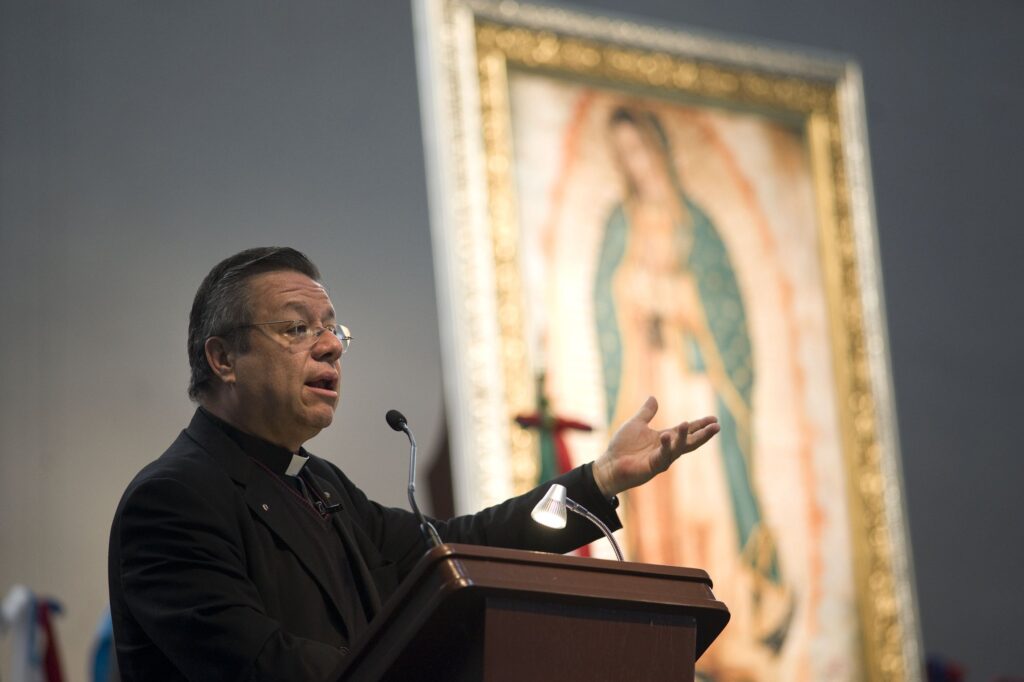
(141, 142)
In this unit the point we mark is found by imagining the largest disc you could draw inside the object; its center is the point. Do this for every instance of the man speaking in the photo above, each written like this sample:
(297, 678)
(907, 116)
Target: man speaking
(237, 555)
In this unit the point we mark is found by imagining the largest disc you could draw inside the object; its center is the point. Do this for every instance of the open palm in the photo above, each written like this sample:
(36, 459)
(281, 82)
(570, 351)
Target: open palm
(637, 453)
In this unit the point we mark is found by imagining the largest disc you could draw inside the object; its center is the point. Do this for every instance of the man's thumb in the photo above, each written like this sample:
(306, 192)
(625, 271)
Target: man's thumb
(647, 410)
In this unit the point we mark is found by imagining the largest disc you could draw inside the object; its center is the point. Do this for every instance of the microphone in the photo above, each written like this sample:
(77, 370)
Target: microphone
(397, 421)
(326, 509)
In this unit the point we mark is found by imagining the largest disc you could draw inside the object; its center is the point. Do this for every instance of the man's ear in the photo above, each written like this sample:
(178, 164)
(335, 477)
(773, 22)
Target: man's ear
(221, 359)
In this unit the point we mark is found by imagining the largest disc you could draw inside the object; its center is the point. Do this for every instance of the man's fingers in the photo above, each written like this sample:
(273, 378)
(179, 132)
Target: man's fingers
(669, 452)
(697, 438)
(698, 424)
(688, 436)
(673, 444)
(710, 430)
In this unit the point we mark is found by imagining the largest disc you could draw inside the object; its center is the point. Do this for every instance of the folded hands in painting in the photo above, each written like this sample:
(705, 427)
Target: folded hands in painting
(637, 453)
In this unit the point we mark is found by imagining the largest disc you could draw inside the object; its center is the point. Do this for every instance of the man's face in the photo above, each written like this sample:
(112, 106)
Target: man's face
(286, 392)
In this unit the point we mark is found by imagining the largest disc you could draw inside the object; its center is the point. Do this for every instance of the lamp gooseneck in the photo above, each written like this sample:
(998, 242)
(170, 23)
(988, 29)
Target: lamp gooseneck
(550, 512)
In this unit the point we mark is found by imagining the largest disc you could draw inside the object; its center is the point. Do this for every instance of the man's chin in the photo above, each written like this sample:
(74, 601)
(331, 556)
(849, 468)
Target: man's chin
(321, 418)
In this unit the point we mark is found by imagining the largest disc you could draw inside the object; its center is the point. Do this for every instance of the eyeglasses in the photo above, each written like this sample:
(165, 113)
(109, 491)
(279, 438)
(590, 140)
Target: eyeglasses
(301, 333)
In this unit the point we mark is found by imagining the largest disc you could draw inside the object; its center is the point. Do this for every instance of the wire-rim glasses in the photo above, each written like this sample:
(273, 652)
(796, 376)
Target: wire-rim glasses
(301, 333)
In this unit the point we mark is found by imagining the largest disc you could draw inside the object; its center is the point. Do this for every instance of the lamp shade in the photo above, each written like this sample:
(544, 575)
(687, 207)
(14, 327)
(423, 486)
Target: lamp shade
(550, 511)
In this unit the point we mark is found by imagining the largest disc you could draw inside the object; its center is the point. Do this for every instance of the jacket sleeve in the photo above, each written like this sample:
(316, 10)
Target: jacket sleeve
(177, 562)
(509, 524)
(396, 533)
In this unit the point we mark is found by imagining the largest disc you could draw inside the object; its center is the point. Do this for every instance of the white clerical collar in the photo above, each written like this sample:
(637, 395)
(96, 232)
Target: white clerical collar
(295, 466)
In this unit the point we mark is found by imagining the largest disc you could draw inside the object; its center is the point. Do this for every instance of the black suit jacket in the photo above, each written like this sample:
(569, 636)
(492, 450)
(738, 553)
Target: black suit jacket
(212, 577)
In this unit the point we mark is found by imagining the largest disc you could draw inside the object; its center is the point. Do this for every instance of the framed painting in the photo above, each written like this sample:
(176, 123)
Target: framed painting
(622, 210)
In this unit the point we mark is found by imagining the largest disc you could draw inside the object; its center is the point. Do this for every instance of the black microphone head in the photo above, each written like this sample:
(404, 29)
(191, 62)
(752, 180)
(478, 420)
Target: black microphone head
(396, 420)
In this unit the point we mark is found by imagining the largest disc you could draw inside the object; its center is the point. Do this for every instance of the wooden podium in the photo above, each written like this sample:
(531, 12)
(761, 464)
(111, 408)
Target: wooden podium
(480, 613)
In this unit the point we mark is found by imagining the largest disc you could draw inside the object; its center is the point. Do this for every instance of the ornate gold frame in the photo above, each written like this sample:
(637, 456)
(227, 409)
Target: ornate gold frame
(466, 49)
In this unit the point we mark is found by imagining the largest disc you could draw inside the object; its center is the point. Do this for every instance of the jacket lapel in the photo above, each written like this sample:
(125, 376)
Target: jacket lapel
(275, 505)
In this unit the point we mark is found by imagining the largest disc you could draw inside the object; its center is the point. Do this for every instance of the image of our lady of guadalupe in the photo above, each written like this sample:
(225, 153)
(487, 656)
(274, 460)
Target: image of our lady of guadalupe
(670, 321)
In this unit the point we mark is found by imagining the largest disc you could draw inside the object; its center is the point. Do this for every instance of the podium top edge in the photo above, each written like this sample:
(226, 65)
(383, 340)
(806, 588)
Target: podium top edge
(527, 557)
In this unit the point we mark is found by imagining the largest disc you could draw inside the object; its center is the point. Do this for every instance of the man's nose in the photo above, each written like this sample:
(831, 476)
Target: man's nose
(327, 346)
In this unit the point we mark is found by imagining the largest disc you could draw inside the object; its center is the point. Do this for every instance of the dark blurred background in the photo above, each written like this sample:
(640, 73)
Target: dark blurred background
(140, 142)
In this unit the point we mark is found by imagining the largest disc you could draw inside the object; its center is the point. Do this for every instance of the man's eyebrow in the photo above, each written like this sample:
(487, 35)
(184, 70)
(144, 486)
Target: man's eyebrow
(305, 311)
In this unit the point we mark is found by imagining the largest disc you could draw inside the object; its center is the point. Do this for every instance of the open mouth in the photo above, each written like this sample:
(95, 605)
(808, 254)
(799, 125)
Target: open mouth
(325, 383)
